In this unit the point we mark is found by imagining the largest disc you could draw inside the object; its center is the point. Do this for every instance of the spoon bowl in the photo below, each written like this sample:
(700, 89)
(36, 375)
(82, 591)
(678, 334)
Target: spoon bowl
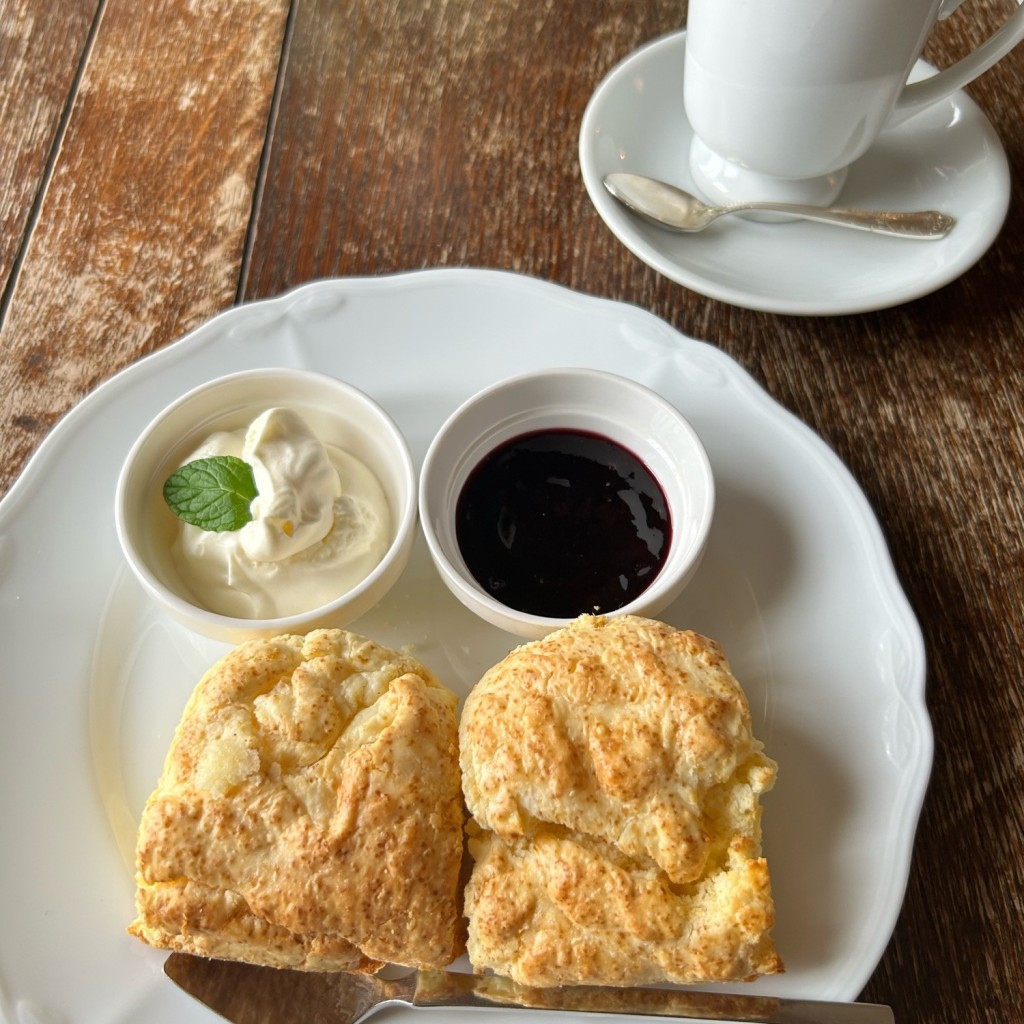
(670, 207)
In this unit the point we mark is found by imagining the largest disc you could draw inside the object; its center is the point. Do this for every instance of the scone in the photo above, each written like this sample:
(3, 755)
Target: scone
(613, 782)
(309, 814)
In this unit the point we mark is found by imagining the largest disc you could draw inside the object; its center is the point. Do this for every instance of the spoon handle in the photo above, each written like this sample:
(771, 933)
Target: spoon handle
(911, 223)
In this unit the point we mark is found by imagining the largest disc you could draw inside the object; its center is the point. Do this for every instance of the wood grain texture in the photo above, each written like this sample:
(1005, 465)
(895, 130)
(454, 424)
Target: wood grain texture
(441, 133)
(444, 132)
(41, 48)
(142, 227)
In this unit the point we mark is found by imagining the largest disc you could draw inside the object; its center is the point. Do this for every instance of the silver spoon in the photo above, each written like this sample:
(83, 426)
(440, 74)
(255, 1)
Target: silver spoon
(671, 207)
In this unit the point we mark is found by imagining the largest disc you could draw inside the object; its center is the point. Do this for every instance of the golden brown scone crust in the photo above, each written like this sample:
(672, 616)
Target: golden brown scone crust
(614, 783)
(309, 814)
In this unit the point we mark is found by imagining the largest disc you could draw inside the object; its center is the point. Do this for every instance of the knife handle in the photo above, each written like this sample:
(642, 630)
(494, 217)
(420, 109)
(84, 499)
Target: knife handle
(441, 988)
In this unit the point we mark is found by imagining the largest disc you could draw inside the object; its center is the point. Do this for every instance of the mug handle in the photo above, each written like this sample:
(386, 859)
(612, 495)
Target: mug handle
(918, 95)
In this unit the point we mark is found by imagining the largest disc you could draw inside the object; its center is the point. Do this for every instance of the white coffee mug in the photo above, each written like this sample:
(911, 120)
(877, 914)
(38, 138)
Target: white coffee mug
(783, 95)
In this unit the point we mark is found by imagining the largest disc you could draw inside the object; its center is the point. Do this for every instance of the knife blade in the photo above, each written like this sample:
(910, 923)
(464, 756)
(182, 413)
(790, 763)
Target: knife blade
(248, 994)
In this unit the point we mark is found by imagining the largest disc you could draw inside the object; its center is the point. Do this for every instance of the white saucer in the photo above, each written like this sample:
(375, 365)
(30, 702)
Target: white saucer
(946, 158)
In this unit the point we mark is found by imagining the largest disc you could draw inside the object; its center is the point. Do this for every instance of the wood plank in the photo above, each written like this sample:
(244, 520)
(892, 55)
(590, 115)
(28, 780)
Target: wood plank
(141, 232)
(426, 135)
(41, 46)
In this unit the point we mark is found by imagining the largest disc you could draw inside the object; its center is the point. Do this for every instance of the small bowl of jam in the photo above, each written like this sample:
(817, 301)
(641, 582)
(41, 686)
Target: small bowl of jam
(565, 492)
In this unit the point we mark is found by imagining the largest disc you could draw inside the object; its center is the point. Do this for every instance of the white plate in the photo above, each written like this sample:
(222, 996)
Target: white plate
(797, 585)
(946, 158)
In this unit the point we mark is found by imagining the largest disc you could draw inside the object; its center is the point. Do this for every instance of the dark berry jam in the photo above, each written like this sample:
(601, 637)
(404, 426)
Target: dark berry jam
(562, 522)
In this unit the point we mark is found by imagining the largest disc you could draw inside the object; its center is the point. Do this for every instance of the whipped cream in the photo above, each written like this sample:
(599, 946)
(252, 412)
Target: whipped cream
(320, 525)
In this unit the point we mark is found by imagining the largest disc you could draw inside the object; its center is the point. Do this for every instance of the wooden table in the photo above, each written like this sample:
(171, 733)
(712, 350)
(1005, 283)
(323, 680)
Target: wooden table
(160, 162)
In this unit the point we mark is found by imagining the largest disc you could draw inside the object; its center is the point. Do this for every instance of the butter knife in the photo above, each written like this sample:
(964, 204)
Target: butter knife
(246, 994)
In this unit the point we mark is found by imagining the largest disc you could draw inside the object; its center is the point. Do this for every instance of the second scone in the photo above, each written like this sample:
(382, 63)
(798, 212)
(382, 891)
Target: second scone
(614, 783)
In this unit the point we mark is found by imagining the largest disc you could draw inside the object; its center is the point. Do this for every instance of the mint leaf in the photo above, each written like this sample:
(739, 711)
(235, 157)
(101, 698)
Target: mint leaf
(213, 494)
